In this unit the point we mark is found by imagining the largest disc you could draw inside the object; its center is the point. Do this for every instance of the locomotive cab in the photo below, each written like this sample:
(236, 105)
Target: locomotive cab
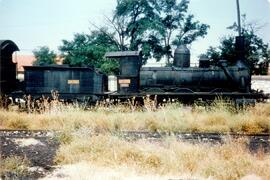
(128, 81)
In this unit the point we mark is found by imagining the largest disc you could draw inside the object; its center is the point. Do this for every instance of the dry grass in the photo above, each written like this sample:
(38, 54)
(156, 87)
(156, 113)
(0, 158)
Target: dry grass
(219, 117)
(85, 171)
(167, 157)
(14, 166)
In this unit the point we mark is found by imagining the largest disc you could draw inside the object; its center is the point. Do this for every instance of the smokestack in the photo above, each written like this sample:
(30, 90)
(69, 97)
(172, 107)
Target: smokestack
(240, 47)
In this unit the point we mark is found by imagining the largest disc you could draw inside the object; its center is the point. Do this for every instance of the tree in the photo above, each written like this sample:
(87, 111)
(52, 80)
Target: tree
(256, 51)
(174, 19)
(44, 56)
(154, 26)
(89, 50)
(133, 19)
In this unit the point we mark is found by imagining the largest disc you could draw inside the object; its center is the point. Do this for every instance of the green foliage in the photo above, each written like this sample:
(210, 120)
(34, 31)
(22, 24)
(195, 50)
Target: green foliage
(44, 56)
(151, 24)
(256, 51)
(136, 24)
(89, 50)
(191, 31)
(146, 25)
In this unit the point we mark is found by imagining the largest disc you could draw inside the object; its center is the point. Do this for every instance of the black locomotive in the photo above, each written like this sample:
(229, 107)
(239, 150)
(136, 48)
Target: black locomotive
(183, 82)
(181, 77)
(180, 81)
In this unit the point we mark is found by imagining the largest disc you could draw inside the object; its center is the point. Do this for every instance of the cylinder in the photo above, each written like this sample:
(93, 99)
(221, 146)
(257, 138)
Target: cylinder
(181, 57)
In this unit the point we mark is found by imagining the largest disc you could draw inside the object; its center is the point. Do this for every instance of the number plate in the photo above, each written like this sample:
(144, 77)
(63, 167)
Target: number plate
(73, 81)
(124, 81)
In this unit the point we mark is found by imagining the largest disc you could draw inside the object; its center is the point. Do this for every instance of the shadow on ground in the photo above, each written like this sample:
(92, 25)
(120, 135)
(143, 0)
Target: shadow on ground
(40, 155)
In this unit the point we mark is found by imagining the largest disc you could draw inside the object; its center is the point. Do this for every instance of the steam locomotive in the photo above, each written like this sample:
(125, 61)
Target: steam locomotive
(183, 82)
(180, 81)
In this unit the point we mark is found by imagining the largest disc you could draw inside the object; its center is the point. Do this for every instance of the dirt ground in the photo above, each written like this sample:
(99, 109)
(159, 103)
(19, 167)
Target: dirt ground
(40, 151)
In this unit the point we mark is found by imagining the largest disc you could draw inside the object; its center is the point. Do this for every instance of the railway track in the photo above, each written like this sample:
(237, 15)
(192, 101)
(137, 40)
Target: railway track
(254, 142)
(253, 139)
(134, 135)
(26, 133)
(203, 137)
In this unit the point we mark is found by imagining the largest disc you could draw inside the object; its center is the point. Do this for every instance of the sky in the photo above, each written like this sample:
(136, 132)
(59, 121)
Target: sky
(34, 23)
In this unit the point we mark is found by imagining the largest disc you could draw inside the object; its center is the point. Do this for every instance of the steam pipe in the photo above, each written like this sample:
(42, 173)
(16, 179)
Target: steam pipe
(222, 65)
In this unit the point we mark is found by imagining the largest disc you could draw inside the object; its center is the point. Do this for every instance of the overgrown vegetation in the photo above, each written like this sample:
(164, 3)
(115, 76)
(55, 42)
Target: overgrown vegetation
(86, 135)
(166, 157)
(218, 117)
(13, 167)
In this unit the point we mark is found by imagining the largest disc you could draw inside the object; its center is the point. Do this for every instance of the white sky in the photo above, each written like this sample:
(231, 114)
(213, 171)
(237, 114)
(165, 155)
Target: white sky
(33, 23)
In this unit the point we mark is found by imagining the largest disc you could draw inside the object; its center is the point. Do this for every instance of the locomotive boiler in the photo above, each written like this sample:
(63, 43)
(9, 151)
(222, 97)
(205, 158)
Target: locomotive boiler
(205, 78)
